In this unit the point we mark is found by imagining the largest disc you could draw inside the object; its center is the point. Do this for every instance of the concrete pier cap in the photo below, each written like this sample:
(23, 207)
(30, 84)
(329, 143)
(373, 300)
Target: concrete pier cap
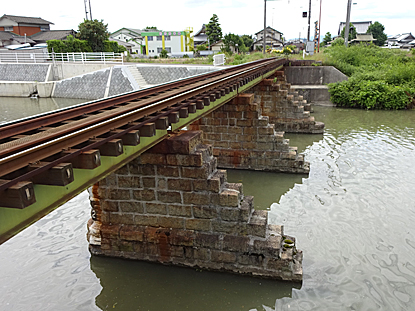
(173, 206)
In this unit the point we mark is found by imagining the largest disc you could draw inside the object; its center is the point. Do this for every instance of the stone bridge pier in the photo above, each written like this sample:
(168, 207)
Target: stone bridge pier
(174, 206)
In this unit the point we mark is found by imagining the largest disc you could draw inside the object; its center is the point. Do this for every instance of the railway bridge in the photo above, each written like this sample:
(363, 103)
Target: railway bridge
(152, 159)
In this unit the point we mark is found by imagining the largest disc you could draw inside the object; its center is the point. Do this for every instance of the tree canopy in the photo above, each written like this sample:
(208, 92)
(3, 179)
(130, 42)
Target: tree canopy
(352, 32)
(95, 33)
(213, 30)
(327, 38)
(376, 29)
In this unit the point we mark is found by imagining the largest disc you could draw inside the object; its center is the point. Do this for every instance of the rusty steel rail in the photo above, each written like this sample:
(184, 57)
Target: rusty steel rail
(140, 107)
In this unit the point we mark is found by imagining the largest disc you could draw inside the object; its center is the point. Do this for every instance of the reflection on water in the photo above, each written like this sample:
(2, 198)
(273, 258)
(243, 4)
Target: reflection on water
(353, 218)
(13, 108)
(131, 285)
(270, 188)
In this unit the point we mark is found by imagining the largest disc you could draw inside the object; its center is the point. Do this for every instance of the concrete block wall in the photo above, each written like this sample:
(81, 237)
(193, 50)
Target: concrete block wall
(284, 107)
(242, 138)
(24, 72)
(172, 205)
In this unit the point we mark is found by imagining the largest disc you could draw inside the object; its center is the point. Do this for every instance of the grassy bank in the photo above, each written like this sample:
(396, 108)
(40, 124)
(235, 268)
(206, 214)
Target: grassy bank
(378, 78)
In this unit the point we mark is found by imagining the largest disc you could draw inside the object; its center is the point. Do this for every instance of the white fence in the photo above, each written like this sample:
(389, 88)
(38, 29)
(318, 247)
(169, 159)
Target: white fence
(218, 59)
(44, 57)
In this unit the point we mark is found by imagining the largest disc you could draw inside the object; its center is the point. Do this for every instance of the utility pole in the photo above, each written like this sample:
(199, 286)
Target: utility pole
(86, 9)
(309, 17)
(265, 26)
(319, 30)
(346, 30)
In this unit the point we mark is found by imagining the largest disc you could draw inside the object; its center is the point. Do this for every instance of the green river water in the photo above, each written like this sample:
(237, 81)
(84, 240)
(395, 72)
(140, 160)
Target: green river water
(353, 217)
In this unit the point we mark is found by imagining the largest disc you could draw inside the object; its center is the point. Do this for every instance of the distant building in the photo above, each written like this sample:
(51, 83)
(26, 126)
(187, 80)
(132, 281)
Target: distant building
(44, 36)
(151, 42)
(361, 27)
(200, 37)
(406, 40)
(131, 36)
(9, 38)
(23, 25)
(273, 38)
(363, 38)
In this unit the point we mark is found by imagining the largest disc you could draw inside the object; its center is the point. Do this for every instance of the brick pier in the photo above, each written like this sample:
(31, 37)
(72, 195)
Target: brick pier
(172, 205)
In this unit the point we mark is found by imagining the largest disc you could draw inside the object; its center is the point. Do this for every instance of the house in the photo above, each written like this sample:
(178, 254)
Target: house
(128, 45)
(405, 40)
(218, 46)
(9, 38)
(44, 36)
(200, 37)
(273, 38)
(361, 27)
(362, 38)
(23, 25)
(131, 36)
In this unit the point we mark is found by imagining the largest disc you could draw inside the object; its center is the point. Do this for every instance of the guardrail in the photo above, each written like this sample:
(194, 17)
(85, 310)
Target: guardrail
(218, 59)
(78, 57)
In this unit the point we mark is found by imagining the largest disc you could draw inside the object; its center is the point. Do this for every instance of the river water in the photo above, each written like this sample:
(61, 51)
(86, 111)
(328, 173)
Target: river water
(353, 217)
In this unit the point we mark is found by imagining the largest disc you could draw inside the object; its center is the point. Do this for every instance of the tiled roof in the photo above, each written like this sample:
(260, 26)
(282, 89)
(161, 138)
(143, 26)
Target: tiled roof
(27, 20)
(52, 35)
(8, 35)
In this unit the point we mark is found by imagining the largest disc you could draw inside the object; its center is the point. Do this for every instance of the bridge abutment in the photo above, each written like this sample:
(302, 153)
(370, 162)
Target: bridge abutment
(172, 205)
(242, 138)
(284, 107)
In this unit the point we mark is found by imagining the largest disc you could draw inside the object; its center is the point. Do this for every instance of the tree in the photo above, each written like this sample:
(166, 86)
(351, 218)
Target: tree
(95, 32)
(327, 38)
(352, 32)
(376, 29)
(248, 41)
(235, 41)
(213, 30)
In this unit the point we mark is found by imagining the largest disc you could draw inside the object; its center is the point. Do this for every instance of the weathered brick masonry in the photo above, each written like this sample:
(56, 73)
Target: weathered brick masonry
(172, 205)
(285, 108)
(244, 139)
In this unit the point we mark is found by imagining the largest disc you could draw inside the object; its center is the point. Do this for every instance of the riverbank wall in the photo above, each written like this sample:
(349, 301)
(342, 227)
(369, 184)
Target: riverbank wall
(311, 82)
(88, 81)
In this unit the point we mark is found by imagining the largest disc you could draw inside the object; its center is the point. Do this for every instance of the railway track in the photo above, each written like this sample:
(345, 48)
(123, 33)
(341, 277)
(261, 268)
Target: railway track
(45, 149)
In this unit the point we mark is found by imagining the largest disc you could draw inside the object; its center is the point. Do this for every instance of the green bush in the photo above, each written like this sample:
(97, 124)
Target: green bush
(379, 78)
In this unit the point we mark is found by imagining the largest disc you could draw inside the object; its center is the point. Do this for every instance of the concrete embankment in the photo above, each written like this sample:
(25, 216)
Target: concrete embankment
(87, 81)
(311, 82)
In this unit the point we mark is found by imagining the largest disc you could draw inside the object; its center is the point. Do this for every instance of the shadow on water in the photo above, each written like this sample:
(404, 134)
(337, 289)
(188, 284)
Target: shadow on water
(135, 285)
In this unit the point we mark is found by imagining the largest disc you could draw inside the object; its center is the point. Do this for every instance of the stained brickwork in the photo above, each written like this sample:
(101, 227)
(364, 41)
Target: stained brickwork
(172, 205)
(287, 110)
(244, 139)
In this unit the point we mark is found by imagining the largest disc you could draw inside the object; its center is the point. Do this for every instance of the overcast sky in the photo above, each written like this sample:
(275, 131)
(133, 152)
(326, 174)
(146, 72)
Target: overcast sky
(235, 16)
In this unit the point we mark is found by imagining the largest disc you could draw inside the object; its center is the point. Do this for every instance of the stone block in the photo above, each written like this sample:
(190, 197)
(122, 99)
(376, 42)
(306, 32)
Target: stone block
(151, 158)
(229, 198)
(124, 218)
(198, 224)
(148, 182)
(171, 222)
(202, 254)
(168, 171)
(169, 196)
(109, 206)
(131, 207)
(185, 160)
(146, 220)
(110, 231)
(144, 195)
(235, 243)
(207, 240)
(180, 210)
(129, 182)
(118, 194)
(196, 198)
(156, 208)
(179, 184)
(226, 227)
(269, 247)
(181, 237)
(223, 257)
(205, 212)
(132, 233)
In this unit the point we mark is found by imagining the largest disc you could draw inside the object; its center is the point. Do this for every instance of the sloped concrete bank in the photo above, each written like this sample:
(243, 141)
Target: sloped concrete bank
(24, 80)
